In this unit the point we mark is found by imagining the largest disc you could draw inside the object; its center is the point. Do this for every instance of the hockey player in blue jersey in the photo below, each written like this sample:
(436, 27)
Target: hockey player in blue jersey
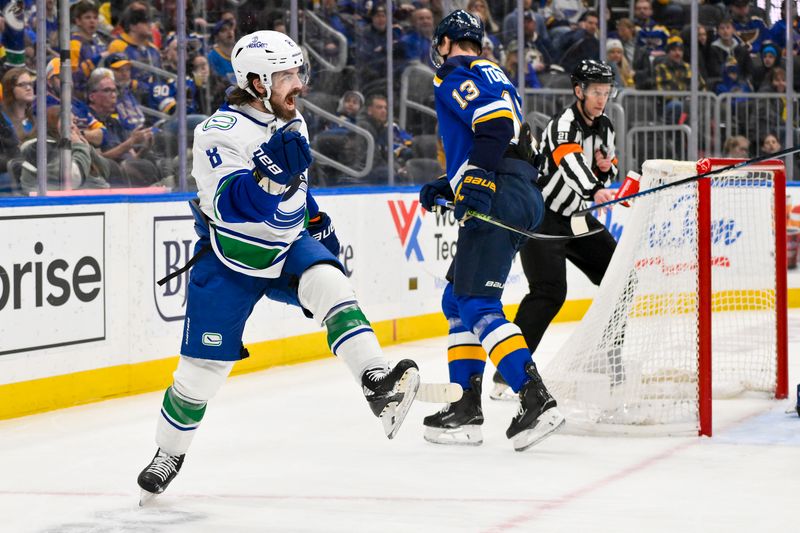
(265, 237)
(488, 152)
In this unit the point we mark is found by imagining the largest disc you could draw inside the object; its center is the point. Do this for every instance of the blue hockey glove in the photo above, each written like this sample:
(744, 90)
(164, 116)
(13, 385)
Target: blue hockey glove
(321, 228)
(475, 192)
(430, 191)
(278, 160)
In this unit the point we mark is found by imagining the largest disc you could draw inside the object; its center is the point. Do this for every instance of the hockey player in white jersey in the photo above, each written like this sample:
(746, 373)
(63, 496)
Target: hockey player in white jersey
(269, 239)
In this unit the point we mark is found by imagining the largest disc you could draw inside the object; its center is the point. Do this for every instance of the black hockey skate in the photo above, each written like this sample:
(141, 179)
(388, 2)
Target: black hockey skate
(390, 394)
(458, 422)
(500, 389)
(537, 417)
(156, 476)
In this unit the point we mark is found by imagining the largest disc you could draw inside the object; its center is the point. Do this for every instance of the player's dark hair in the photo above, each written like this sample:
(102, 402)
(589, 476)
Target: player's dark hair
(469, 45)
(239, 96)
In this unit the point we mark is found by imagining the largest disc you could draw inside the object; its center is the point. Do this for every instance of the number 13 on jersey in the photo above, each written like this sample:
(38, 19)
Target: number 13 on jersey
(470, 92)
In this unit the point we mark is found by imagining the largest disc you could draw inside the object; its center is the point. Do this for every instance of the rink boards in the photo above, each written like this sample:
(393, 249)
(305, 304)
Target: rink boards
(82, 319)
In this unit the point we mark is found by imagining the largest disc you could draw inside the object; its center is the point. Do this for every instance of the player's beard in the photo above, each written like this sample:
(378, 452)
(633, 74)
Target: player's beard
(285, 108)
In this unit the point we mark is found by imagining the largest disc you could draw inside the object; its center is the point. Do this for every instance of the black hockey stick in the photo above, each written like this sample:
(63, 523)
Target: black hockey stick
(690, 179)
(579, 226)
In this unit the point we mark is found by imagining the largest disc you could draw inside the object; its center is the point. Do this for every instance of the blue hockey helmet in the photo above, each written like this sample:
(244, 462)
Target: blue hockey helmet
(458, 26)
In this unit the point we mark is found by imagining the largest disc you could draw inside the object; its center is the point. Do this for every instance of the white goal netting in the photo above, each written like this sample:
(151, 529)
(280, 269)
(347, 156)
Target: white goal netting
(631, 366)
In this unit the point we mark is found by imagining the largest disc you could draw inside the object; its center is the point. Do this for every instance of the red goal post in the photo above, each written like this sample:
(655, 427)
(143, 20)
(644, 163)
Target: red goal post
(777, 170)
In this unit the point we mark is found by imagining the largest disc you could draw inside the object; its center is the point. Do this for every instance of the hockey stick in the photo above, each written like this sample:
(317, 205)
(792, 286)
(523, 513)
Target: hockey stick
(579, 227)
(439, 392)
(690, 179)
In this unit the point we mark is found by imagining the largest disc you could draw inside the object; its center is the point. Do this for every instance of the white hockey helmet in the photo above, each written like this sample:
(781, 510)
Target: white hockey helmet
(264, 53)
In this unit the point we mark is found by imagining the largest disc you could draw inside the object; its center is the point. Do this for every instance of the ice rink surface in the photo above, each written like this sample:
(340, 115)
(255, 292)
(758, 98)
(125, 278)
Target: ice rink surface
(296, 449)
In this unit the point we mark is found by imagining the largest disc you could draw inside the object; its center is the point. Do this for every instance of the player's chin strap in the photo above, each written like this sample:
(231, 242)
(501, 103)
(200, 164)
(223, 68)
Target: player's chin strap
(264, 99)
(690, 179)
(578, 225)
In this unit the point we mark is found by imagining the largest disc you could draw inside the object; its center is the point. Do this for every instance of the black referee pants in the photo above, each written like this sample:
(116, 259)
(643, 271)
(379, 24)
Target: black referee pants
(545, 266)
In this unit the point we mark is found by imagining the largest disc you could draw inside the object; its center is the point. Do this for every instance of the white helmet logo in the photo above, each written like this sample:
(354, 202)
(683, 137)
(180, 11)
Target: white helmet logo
(255, 43)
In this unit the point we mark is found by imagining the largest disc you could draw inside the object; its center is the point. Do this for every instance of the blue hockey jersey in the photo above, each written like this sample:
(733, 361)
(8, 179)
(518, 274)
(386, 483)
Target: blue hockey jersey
(479, 113)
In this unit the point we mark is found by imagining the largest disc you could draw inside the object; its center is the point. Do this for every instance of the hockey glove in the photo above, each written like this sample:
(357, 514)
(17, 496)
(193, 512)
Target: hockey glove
(475, 192)
(278, 160)
(430, 191)
(321, 228)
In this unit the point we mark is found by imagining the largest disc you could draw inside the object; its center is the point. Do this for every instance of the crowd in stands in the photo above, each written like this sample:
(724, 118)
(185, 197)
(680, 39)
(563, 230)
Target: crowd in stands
(124, 128)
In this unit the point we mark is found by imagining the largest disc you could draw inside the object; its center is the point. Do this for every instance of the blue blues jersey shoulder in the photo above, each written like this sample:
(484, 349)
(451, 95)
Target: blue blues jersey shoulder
(474, 94)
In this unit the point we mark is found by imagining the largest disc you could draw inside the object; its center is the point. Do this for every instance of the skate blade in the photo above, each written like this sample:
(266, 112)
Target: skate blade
(469, 435)
(502, 393)
(439, 392)
(548, 423)
(394, 413)
(792, 409)
(146, 497)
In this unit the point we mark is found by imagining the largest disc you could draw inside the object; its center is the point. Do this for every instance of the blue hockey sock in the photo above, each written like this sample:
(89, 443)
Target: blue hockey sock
(504, 343)
(465, 355)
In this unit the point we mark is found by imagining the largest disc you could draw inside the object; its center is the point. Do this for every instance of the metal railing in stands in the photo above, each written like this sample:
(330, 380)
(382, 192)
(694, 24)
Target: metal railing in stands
(547, 101)
(655, 108)
(322, 159)
(655, 142)
(312, 23)
(752, 115)
(417, 70)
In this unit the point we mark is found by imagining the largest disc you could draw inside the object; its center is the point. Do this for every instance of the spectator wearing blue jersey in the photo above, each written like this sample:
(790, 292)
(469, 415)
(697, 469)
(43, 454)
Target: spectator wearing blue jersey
(219, 58)
(750, 28)
(129, 111)
(135, 43)
(129, 148)
(163, 95)
(417, 43)
(86, 47)
(777, 32)
(51, 27)
(489, 154)
(733, 82)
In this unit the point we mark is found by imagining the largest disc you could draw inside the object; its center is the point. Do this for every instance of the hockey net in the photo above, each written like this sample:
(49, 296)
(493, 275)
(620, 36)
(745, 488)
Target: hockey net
(694, 301)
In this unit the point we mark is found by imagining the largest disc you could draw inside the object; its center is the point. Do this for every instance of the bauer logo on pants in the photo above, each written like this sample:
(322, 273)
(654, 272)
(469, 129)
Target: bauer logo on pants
(407, 217)
(173, 246)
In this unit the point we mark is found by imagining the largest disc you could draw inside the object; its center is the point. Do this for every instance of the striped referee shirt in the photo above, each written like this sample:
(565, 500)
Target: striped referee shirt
(570, 176)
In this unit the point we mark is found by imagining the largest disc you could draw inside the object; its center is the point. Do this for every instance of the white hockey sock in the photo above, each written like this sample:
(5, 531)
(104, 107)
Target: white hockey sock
(195, 382)
(178, 422)
(352, 339)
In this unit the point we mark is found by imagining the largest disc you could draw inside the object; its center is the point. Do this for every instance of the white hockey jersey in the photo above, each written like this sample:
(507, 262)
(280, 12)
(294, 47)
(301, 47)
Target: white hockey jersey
(224, 145)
